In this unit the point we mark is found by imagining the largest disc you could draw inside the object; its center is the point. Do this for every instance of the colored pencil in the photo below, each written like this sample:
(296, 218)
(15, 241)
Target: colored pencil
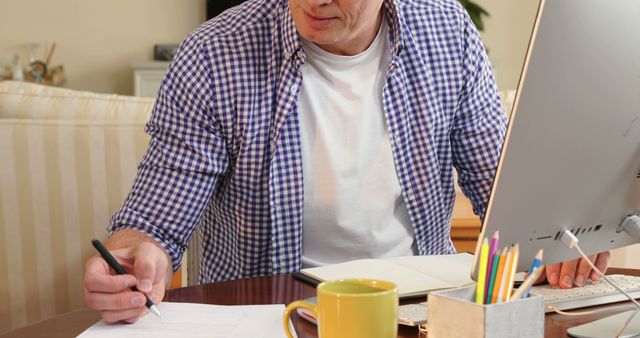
(493, 250)
(492, 281)
(537, 261)
(526, 285)
(512, 272)
(496, 287)
(482, 271)
(504, 278)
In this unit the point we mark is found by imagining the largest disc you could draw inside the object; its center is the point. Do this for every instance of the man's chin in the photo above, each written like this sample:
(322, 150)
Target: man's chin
(319, 37)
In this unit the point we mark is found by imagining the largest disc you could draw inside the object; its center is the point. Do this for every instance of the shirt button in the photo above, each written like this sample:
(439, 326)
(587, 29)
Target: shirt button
(293, 89)
(410, 195)
(395, 139)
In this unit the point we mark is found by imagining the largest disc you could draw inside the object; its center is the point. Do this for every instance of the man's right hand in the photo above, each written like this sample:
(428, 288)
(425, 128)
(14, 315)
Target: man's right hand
(111, 294)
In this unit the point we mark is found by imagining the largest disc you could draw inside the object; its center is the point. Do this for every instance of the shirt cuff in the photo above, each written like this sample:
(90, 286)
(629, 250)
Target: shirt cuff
(175, 251)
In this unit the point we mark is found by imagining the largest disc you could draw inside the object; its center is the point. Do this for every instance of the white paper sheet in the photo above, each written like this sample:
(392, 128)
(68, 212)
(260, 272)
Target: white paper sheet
(199, 320)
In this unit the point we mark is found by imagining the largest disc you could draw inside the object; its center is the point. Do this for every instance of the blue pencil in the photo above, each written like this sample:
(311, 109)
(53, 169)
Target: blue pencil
(536, 264)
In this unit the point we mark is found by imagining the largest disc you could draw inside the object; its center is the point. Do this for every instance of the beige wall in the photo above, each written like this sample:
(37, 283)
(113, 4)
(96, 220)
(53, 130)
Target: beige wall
(98, 40)
(626, 257)
(506, 36)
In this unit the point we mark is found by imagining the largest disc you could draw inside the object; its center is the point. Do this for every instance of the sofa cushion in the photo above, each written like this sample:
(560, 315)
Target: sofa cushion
(67, 161)
(28, 100)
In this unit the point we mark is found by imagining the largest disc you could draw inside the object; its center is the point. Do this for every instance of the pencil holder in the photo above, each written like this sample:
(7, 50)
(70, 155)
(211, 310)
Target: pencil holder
(453, 313)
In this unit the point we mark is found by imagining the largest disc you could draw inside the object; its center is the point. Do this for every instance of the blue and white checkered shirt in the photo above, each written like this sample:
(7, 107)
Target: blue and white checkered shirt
(225, 138)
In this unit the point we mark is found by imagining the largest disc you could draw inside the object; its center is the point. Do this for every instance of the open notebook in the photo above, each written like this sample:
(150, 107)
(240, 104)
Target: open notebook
(414, 275)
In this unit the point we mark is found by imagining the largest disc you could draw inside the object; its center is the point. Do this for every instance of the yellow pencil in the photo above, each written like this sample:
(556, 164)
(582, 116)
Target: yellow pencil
(482, 271)
(512, 272)
(496, 287)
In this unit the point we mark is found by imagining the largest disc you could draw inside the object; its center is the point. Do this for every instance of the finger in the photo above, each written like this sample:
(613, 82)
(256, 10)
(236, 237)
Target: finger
(98, 278)
(145, 266)
(553, 273)
(115, 301)
(567, 273)
(128, 315)
(157, 293)
(602, 263)
(584, 269)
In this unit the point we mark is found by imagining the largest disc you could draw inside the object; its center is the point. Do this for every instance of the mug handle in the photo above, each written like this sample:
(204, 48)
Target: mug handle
(293, 306)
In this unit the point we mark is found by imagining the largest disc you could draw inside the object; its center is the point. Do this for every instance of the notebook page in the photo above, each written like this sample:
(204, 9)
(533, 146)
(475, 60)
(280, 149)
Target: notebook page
(409, 281)
(454, 269)
(199, 320)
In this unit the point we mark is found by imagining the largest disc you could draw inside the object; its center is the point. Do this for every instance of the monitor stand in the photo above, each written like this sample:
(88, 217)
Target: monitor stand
(609, 326)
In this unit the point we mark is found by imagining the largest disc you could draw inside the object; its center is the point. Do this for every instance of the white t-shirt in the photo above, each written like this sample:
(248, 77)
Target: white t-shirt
(353, 207)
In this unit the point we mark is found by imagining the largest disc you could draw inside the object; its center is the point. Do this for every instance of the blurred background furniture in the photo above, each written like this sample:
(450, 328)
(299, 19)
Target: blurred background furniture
(147, 77)
(68, 160)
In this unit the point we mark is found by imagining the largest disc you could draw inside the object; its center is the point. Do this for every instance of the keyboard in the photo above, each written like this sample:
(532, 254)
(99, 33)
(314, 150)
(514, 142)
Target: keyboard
(412, 314)
(592, 293)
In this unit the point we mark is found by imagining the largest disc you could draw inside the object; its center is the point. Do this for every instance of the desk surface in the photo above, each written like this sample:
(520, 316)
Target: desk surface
(280, 289)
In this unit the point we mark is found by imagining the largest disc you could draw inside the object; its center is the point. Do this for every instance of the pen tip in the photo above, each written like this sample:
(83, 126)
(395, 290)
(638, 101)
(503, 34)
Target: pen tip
(155, 311)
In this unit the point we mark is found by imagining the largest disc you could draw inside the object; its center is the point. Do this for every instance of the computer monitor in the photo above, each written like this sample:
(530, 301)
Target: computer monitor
(571, 158)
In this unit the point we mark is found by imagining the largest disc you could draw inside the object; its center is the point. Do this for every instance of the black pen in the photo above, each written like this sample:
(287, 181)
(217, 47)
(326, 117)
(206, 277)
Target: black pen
(113, 263)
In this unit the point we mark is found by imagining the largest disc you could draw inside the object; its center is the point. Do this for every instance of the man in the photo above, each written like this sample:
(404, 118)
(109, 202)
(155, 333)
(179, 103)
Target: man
(304, 133)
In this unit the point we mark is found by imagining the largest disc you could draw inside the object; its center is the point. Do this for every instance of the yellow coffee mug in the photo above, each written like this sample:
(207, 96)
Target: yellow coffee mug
(352, 308)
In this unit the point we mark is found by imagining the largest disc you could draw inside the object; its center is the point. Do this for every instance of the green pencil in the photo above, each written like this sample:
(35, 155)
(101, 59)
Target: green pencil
(492, 280)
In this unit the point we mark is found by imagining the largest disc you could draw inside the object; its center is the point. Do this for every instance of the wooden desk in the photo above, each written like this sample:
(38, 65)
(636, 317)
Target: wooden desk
(263, 290)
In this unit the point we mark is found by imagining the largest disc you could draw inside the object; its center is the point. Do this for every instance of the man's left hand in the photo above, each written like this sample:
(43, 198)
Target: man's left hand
(575, 272)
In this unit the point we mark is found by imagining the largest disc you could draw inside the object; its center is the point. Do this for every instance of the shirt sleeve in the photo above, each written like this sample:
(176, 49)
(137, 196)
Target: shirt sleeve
(480, 124)
(185, 157)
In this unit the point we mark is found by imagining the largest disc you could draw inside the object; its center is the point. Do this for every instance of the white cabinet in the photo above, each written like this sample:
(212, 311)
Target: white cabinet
(147, 77)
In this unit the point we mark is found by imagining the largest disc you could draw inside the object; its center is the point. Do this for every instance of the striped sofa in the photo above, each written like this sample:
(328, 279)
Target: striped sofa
(67, 160)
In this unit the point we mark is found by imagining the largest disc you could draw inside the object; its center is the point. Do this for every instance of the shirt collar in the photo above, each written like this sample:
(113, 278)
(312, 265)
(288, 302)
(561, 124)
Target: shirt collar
(293, 42)
(394, 20)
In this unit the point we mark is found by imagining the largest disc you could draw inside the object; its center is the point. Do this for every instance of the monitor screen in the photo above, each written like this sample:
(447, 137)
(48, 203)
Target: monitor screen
(571, 158)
